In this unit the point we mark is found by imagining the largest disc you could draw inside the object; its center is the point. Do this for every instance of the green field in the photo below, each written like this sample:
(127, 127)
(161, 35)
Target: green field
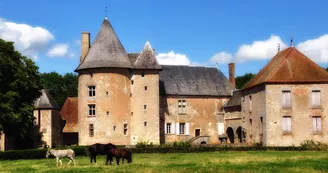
(234, 161)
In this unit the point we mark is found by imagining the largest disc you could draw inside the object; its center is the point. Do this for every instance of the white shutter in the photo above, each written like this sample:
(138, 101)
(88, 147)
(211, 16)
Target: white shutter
(284, 99)
(288, 99)
(314, 124)
(187, 128)
(319, 124)
(165, 128)
(284, 124)
(289, 124)
(172, 128)
(221, 128)
(177, 131)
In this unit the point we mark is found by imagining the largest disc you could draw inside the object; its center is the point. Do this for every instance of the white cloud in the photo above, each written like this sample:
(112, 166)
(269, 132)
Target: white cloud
(262, 49)
(316, 49)
(59, 50)
(221, 58)
(172, 58)
(29, 40)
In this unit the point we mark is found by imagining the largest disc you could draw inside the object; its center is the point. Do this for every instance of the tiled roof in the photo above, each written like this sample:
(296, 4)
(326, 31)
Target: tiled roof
(235, 99)
(146, 59)
(69, 112)
(45, 101)
(193, 81)
(289, 66)
(106, 50)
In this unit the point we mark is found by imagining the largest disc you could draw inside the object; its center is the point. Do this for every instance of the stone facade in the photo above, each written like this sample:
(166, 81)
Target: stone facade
(200, 117)
(2, 141)
(301, 113)
(48, 122)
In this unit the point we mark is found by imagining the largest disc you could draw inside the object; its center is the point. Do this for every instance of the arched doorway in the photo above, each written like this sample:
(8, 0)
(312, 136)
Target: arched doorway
(230, 134)
(239, 134)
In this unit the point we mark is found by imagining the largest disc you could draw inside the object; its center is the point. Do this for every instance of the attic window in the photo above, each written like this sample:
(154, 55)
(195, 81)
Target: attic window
(132, 81)
(92, 91)
(181, 106)
(142, 74)
(91, 75)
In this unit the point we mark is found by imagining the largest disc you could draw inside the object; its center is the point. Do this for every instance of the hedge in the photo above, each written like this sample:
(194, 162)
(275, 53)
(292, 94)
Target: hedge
(80, 151)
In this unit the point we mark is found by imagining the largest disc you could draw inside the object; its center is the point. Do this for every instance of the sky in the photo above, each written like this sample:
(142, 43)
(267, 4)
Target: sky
(183, 32)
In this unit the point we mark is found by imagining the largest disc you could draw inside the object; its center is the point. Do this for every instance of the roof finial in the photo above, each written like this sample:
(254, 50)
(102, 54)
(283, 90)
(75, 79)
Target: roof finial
(106, 10)
(278, 47)
(291, 42)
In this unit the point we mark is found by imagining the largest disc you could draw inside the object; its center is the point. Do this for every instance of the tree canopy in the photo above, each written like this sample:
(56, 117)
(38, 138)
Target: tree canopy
(241, 81)
(20, 87)
(60, 87)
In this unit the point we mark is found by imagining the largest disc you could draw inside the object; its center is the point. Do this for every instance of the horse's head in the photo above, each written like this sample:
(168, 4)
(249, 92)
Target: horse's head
(48, 153)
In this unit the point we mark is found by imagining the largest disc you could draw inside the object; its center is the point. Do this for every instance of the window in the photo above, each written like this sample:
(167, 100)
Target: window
(91, 130)
(287, 124)
(286, 100)
(125, 128)
(182, 128)
(142, 74)
(250, 103)
(145, 88)
(131, 113)
(114, 128)
(107, 113)
(92, 110)
(316, 124)
(315, 99)
(181, 106)
(250, 127)
(132, 82)
(145, 123)
(92, 91)
(168, 128)
(145, 107)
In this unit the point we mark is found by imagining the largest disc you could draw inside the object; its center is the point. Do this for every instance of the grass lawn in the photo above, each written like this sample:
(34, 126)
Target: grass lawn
(234, 161)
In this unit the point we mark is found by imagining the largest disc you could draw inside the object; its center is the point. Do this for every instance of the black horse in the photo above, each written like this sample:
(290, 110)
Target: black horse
(119, 153)
(99, 149)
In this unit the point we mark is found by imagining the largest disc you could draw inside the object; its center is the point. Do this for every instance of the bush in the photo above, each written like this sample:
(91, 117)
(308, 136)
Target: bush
(313, 145)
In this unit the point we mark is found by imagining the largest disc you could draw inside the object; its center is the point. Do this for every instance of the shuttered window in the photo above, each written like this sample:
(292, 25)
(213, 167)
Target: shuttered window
(315, 99)
(91, 130)
(168, 128)
(316, 124)
(287, 124)
(182, 128)
(181, 106)
(286, 100)
(221, 128)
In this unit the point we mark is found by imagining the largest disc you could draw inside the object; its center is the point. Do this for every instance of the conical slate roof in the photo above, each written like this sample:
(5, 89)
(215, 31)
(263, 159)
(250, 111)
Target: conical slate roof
(106, 50)
(45, 101)
(289, 66)
(147, 59)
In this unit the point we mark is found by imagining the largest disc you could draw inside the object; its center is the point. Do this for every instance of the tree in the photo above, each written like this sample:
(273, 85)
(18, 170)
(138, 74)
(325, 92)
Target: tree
(60, 87)
(241, 81)
(20, 87)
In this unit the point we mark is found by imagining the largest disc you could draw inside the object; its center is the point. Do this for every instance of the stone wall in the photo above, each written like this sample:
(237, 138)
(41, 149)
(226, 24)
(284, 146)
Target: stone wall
(234, 121)
(113, 108)
(145, 107)
(2, 141)
(253, 107)
(45, 125)
(201, 113)
(301, 113)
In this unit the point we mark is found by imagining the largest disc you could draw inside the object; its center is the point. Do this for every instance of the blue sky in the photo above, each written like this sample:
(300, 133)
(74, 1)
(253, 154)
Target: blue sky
(208, 32)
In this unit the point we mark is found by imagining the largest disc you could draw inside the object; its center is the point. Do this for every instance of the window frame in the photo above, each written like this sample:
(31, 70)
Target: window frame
(92, 110)
(92, 91)
(287, 128)
(286, 99)
(168, 128)
(316, 128)
(182, 106)
(315, 105)
(182, 128)
(125, 129)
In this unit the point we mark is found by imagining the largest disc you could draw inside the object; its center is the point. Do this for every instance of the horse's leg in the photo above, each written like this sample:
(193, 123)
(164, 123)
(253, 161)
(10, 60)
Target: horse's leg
(118, 160)
(107, 158)
(122, 160)
(95, 159)
(57, 161)
(69, 161)
(61, 163)
(91, 156)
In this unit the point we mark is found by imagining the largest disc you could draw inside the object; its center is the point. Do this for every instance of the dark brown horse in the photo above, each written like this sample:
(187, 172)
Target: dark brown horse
(99, 149)
(119, 153)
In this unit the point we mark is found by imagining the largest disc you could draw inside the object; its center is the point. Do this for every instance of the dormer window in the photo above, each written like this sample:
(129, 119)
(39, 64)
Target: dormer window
(142, 74)
(92, 91)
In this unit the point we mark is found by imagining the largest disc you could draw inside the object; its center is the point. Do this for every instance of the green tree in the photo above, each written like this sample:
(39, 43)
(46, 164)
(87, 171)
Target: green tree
(60, 87)
(20, 86)
(241, 81)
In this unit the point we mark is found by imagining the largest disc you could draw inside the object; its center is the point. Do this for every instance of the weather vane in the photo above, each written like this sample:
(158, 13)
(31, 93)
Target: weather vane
(291, 42)
(106, 10)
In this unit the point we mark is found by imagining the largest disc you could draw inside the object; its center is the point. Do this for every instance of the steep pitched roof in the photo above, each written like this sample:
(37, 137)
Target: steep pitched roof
(69, 112)
(147, 59)
(133, 57)
(289, 66)
(193, 81)
(235, 100)
(45, 101)
(106, 50)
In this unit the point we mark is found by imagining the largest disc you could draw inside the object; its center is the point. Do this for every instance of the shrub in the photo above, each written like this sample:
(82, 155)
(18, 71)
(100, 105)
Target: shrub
(313, 145)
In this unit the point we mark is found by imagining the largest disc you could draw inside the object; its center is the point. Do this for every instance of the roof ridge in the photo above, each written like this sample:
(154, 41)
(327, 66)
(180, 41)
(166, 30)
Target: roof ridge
(280, 64)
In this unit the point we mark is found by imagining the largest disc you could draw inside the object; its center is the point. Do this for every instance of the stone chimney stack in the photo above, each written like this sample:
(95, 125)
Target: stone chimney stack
(85, 45)
(232, 74)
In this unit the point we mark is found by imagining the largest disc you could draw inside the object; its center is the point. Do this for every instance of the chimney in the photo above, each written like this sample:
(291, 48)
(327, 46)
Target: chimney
(85, 45)
(232, 74)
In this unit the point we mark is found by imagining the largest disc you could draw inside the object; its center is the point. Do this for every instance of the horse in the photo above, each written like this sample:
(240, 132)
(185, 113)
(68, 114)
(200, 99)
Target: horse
(119, 153)
(61, 153)
(101, 149)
